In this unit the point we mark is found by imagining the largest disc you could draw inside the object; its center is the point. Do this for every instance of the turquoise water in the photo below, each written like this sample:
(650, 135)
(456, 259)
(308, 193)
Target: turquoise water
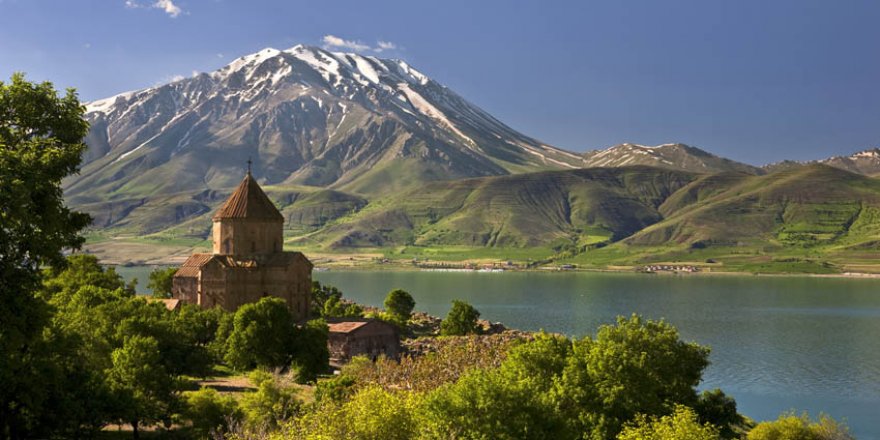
(778, 343)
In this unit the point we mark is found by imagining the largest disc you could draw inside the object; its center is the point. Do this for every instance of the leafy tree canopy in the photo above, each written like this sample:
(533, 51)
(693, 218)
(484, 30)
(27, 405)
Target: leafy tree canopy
(461, 320)
(41, 137)
(160, 282)
(399, 304)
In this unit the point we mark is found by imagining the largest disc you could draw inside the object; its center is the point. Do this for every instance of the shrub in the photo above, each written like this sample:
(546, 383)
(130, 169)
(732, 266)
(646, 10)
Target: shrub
(792, 427)
(209, 411)
(682, 424)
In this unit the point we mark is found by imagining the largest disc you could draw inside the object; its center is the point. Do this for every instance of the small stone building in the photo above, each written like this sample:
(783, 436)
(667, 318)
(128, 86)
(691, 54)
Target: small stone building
(350, 337)
(247, 262)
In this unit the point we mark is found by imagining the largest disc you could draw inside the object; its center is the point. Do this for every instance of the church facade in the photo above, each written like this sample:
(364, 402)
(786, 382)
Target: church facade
(247, 261)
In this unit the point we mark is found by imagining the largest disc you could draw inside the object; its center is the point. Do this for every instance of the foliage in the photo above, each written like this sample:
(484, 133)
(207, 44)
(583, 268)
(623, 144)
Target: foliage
(792, 427)
(486, 404)
(311, 353)
(320, 295)
(336, 307)
(682, 424)
(461, 320)
(271, 404)
(719, 409)
(335, 389)
(262, 335)
(209, 411)
(633, 367)
(143, 391)
(399, 304)
(40, 143)
(372, 413)
(161, 281)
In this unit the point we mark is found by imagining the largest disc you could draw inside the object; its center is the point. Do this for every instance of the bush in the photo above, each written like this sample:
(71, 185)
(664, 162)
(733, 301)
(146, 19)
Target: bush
(274, 402)
(792, 427)
(209, 411)
(682, 424)
(372, 413)
(461, 320)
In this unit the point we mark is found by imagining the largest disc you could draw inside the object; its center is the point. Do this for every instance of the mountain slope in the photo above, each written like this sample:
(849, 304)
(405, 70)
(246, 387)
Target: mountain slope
(800, 207)
(550, 208)
(307, 117)
(671, 156)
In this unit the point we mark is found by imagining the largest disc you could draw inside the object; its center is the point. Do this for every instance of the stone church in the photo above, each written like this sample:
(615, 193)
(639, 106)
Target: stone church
(247, 262)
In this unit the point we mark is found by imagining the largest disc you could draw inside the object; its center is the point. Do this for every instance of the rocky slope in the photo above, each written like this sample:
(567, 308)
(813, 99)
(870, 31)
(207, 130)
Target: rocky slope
(306, 116)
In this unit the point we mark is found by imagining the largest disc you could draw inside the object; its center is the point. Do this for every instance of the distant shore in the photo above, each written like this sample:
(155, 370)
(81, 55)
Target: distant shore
(130, 254)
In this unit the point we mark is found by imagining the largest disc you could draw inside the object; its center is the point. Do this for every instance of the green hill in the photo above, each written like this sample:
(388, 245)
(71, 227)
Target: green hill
(813, 218)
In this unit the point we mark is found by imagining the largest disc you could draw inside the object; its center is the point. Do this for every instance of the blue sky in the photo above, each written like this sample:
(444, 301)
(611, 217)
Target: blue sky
(756, 81)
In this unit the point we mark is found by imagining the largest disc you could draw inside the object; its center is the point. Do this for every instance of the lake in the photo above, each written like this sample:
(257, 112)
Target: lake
(778, 343)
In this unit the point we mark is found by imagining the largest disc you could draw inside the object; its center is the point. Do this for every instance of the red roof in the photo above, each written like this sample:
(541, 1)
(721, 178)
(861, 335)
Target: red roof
(346, 326)
(249, 201)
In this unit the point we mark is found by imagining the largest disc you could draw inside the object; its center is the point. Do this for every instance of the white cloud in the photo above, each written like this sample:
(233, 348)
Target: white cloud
(384, 45)
(167, 6)
(334, 42)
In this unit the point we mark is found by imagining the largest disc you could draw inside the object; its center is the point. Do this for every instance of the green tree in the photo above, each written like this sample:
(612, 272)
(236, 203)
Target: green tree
(161, 281)
(41, 137)
(682, 424)
(719, 409)
(262, 335)
(634, 367)
(336, 307)
(461, 320)
(209, 411)
(486, 404)
(144, 391)
(399, 304)
(311, 356)
(320, 295)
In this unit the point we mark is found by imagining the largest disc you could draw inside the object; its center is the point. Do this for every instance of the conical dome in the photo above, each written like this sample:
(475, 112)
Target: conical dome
(248, 201)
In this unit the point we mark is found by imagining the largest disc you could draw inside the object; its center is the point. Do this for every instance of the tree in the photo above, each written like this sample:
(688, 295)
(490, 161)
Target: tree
(143, 390)
(41, 137)
(719, 409)
(486, 404)
(682, 424)
(399, 304)
(461, 320)
(311, 356)
(320, 295)
(336, 307)
(635, 367)
(160, 282)
(262, 335)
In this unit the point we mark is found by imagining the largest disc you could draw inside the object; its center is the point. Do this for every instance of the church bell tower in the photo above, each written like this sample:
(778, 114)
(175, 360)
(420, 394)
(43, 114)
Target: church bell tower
(248, 223)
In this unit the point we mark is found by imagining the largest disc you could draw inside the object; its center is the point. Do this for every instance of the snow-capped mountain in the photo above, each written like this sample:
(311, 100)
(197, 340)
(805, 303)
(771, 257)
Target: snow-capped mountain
(305, 116)
(671, 156)
(865, 162)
